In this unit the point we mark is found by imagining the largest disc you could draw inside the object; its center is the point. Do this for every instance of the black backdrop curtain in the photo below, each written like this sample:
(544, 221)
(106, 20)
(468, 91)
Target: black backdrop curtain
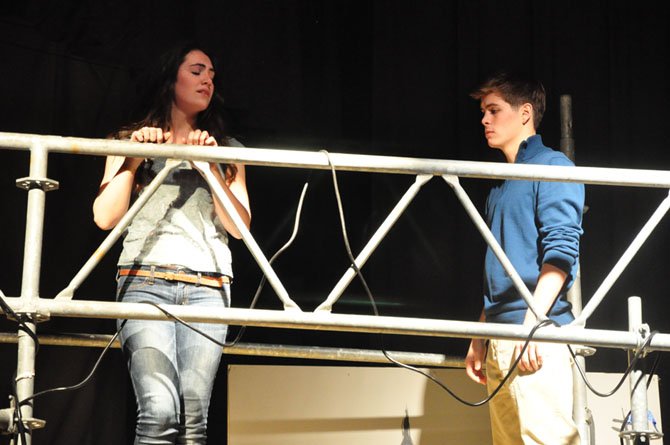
(383, 77)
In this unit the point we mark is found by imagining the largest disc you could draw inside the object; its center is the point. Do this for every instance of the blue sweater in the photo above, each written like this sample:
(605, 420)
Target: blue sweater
(535, 223)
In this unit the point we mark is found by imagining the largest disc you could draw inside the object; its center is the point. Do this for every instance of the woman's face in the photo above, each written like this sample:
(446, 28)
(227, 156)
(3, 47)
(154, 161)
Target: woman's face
(194, 86)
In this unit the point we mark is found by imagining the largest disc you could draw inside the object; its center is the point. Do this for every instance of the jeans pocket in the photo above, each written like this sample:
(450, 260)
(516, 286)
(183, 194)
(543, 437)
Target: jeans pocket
(126, 283)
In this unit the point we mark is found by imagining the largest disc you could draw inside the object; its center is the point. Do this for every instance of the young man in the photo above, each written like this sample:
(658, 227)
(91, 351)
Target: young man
(538, 225)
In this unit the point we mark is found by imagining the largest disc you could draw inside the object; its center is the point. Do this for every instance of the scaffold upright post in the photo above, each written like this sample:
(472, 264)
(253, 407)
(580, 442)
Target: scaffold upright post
(580, 412)
(32, 256)
(638, 385)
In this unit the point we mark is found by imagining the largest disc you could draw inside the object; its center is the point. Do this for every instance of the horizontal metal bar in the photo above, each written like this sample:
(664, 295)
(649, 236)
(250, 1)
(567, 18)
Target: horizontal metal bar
(342, 161)
(267, 350)
(336, 322)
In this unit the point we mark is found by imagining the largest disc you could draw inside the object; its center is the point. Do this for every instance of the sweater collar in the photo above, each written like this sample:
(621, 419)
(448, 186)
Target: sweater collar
(529, 148)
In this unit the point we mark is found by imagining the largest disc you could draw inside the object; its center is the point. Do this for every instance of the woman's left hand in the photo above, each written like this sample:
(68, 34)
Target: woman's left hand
(201, 137)
(235, 188)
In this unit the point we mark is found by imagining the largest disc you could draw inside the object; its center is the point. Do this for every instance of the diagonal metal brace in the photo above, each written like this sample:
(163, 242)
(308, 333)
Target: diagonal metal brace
(115, 234)
(493, 243)
(623, 262)
(377, 238)
(248, 239)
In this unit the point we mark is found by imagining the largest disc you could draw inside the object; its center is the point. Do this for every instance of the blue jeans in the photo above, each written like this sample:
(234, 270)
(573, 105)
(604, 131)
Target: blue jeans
(172, 367)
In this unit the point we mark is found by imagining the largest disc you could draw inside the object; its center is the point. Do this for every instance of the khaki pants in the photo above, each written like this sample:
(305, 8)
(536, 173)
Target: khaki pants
(532, 408)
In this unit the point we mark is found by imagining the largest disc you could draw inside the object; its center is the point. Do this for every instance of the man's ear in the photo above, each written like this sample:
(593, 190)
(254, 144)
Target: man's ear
(527, 113)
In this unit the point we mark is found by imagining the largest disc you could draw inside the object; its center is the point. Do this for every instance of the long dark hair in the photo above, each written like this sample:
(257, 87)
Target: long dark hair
(156, 97)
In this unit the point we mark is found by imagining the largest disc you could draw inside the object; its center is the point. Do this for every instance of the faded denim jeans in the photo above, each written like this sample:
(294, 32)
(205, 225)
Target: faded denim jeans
(172, 367)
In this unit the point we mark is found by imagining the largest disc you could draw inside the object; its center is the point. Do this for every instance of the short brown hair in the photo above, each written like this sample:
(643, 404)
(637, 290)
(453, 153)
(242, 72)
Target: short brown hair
(516, 91)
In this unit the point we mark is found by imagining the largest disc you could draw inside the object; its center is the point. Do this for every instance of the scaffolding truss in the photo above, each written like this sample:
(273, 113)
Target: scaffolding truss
(34, 308)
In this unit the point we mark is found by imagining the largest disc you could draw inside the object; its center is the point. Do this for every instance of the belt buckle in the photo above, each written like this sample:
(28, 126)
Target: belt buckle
(169, 276)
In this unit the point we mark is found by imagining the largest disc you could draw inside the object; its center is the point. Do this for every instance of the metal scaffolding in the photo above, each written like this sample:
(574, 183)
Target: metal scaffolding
(33, 308)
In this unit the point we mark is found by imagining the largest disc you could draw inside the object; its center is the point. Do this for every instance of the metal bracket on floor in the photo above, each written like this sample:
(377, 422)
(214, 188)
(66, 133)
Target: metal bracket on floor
(640, 417)
(8, 420)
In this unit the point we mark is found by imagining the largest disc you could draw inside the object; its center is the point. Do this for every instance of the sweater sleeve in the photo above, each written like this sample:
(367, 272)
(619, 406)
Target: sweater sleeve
(559, 219)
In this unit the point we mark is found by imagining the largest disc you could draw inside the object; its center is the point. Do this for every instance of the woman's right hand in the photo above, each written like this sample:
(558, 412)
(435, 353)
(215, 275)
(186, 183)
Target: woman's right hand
(146, 134)
(118, 179)
(151, 134)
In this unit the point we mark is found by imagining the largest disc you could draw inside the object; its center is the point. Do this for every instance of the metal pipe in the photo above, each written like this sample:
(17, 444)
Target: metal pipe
(346, 354)
(638, 386)
(30, 282)
(340, 322)
(342, 161)
(268, 350)
(493, 244)
(581, 414)
(567, 141)
(377, 238)
(623, 262)
(248, 239)
(117, 232)
(580, 411)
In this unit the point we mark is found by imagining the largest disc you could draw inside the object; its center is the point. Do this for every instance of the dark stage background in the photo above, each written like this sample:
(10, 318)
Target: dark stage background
(376, 77)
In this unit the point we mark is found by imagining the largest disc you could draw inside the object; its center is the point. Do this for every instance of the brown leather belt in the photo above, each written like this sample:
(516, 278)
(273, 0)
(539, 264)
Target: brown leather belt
(180, 275)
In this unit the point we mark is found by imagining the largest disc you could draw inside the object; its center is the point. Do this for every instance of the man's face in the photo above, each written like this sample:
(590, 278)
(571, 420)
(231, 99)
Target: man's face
(503, 124)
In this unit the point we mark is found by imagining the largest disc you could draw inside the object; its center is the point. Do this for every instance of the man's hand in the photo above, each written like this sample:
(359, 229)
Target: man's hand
(549, 284)
(531, 360)
(474, 361)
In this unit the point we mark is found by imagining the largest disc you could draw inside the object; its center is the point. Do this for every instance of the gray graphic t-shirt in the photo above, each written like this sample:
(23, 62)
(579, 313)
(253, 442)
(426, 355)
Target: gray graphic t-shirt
(178, 225)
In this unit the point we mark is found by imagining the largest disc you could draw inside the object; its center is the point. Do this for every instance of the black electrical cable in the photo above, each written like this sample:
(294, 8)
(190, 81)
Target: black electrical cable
(493, 393)
(86, 379)
(8, 310)
(185, 323)
(650, 374)
(170, 315)
(411, 368)
(19, 415)
(632, 364)
(527, 341)
(346, 237)
(653, 369)
(296, 225)
(373, 303)
(540, 324)
(20, 319)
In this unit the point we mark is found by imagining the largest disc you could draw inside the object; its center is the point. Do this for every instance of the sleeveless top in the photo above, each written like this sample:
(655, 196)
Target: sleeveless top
(178, 225)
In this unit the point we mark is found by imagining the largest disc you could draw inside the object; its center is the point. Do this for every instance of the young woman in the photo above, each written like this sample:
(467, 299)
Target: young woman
(175, 250)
